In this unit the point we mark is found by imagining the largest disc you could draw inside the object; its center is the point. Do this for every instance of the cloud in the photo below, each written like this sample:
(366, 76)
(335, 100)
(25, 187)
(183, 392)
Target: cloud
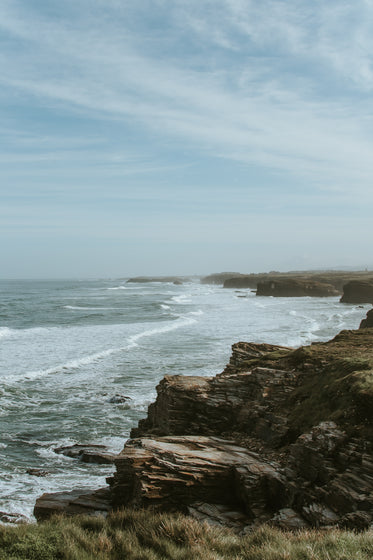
(261, 103)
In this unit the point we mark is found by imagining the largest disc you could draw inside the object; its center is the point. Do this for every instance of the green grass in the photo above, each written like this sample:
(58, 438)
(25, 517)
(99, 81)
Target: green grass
(143, 535)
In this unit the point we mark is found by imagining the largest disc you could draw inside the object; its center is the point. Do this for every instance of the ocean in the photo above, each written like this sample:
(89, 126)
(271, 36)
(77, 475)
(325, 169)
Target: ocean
(68, 347)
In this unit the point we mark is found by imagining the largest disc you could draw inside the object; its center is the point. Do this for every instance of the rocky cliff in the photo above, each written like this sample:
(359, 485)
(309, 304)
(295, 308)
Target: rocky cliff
(281, 436)
(291, 287)
(358, 291)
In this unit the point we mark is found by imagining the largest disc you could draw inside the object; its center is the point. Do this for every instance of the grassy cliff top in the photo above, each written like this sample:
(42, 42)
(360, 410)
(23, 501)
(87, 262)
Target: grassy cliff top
(150, 536)
(335, 381)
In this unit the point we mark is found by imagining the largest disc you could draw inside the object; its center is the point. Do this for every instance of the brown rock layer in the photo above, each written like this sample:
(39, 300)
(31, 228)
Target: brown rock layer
(78, 501)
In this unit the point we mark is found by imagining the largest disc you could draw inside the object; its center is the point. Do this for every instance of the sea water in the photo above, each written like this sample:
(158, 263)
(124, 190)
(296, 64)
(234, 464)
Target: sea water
(68, 347)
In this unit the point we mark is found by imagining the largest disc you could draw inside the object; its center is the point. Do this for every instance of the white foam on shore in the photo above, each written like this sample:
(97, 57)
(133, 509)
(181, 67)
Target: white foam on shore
(160, 330)
(77, 363)
(5, 332)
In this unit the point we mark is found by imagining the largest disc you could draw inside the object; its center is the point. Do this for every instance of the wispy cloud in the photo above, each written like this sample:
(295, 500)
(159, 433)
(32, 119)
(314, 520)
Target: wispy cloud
(258, 110)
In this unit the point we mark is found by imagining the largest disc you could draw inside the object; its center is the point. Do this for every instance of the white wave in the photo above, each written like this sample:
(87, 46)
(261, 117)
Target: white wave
(181, 299)
(5, 332)
(119, 288)
(197, 313)
(160, 330)
(82, 361)
(73, 364)
(164, 306)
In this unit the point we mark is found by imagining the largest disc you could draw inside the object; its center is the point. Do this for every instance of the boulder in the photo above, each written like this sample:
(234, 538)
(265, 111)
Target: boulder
(119, 399)
(358, 291)
(290, 287)
(37, 472)
(13, 519)
(78, 501)
(89, 453)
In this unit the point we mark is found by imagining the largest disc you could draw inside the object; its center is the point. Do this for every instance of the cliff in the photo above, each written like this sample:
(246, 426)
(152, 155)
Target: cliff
(336, 278)
(358, 291)
(291, 287)
(281, 436)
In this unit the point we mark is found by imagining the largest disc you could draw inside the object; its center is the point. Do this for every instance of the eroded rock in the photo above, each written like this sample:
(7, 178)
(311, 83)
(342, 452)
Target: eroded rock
(174, 472)
(78, 501)
(89, 453)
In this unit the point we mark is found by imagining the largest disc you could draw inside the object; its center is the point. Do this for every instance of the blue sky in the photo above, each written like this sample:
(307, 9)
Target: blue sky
(184, 136)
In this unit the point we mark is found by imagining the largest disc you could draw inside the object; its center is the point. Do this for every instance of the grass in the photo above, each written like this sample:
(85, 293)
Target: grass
(144, 535)
(337, 383)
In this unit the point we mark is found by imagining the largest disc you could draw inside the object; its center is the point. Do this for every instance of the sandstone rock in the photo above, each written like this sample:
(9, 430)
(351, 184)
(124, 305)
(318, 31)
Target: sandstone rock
(203, 405)
(289, 287)
(358, 291)
(78, 501)
(175, 472)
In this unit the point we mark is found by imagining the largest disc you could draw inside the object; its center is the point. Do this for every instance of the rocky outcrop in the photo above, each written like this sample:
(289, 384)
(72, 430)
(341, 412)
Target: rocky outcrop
(301, 420)
(281, 436)
(91, 453)
(178, 472)
(358, 291)
(289, 287)
(367, 323)
(78, 501)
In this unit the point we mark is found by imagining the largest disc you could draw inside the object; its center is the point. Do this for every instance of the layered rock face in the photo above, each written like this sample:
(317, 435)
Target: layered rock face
(295, 288)
(281, 436)
(358, 291)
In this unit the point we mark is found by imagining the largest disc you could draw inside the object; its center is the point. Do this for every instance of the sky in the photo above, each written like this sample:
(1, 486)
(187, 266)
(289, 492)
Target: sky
(150, 137)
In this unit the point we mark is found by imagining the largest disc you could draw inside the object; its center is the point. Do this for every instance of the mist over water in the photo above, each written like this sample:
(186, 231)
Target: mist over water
(68, 347)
